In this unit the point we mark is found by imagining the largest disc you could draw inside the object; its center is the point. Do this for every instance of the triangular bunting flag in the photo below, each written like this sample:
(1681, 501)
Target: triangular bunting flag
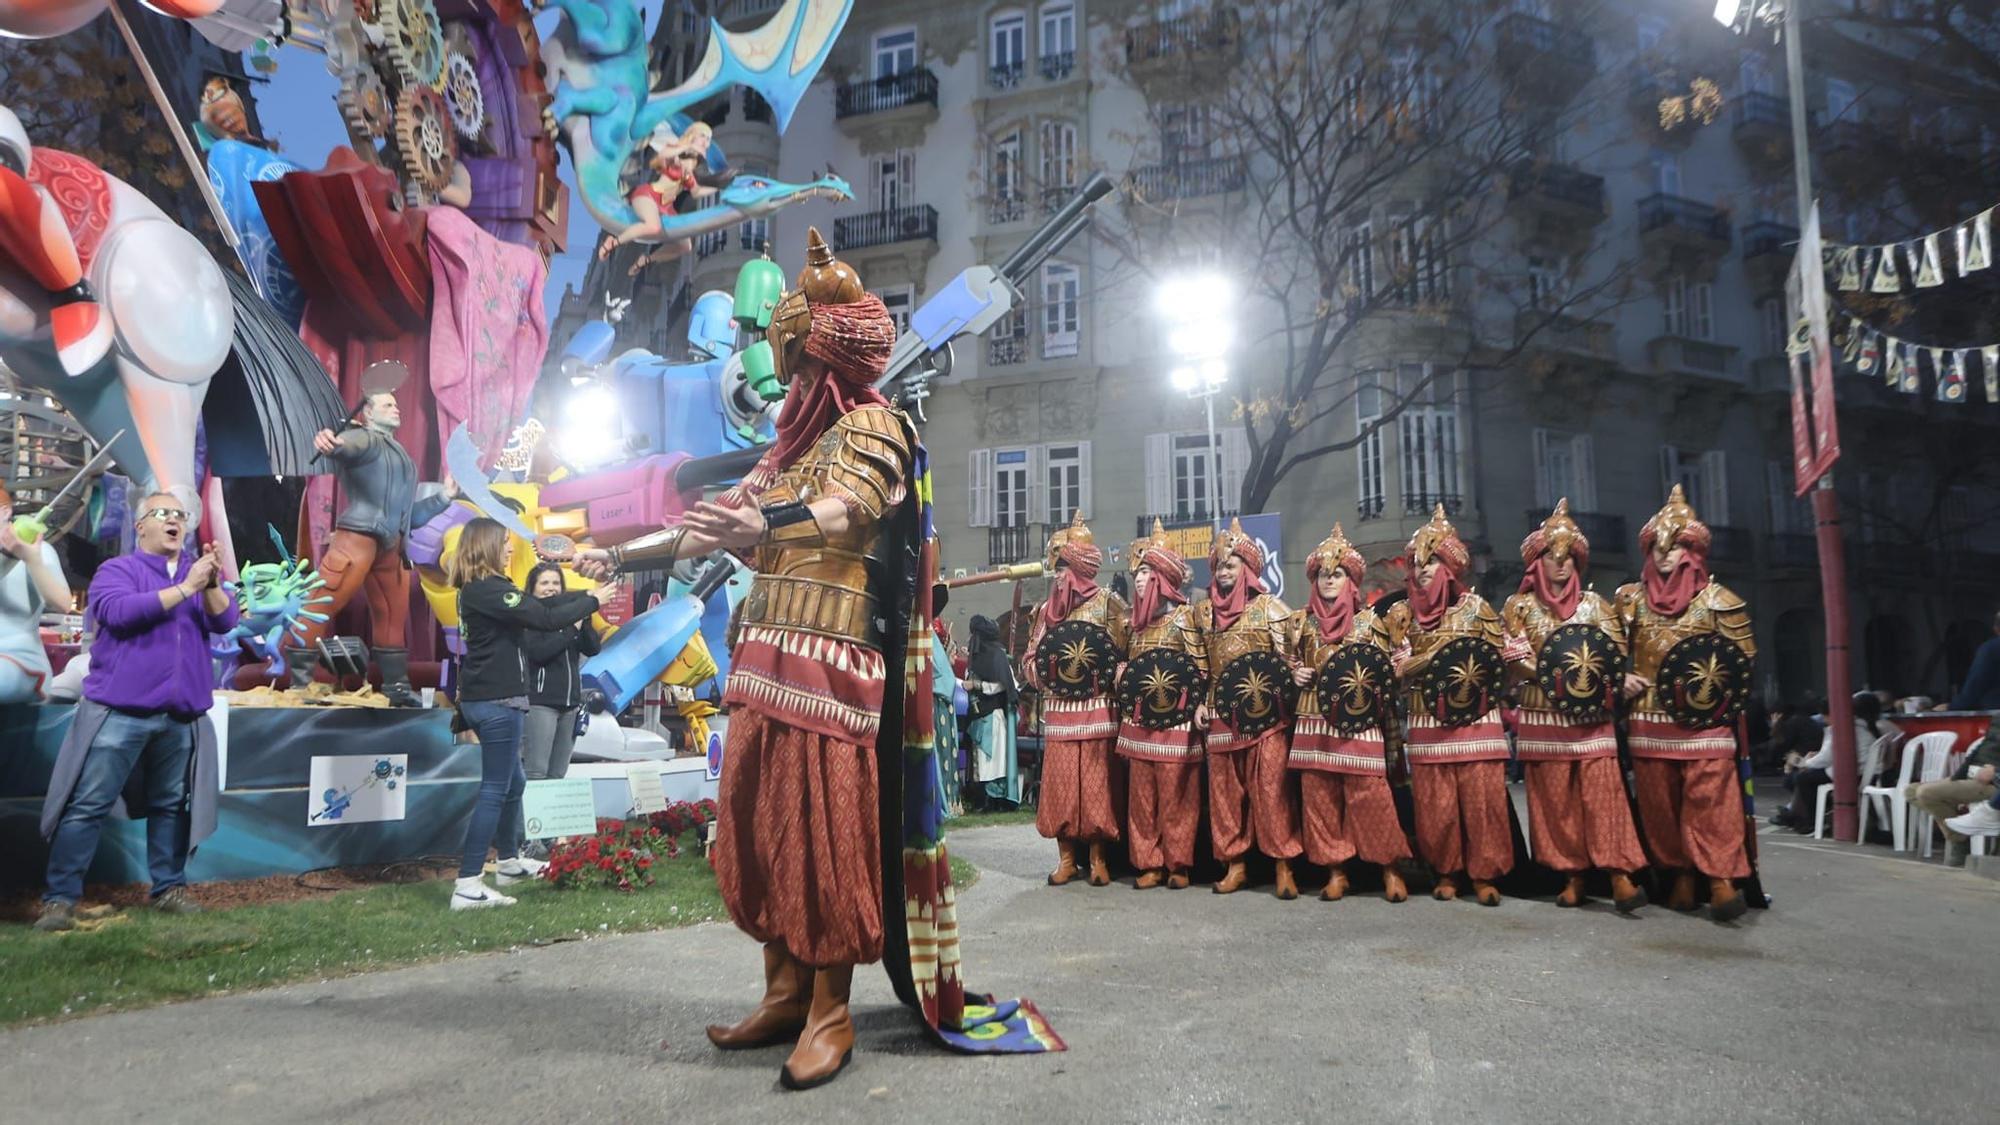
(1951, 377)
(1930, 271)
(1850, 342)
(1887, 280)
(1847, 264)
(1911, 380)
(1990, 357)
(1975, 250)
(1871, 353)
(1892, 367)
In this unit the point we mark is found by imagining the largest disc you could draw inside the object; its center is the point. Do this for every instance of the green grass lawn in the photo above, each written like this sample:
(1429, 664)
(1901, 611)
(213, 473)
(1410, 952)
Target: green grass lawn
(141, 958)
(988, 819)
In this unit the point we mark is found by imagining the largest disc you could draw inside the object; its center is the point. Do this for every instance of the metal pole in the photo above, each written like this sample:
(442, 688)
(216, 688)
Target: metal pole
(1825, 502)
(1214, 461)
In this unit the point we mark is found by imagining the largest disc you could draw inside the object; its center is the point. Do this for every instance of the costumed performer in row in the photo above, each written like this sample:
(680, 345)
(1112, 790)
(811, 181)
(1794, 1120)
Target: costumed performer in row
(1164, 787)
(807, 863)
(1253, 798)
(1689, 796)
(1578, 814)
(1078, 803)
(1458, 774)
(1346, 808)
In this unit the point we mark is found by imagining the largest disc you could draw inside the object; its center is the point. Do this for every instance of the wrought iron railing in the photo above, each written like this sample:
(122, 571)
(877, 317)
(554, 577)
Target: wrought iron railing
(1006, 76)
(1009, 208)
(1006, 545)
(1053, 198)
(878, 228)
(1662, 210)
(1371, 507)
(1190, 179)
(1057, 66)
(1559, 182)
(1424, 503)
(1194, 35)
(912, 87)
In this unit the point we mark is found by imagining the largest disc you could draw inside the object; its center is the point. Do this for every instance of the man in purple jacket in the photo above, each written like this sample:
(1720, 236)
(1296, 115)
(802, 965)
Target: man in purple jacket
(141, 731)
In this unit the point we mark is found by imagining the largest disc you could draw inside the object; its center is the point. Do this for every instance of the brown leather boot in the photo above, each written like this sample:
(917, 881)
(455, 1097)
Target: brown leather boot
(1149, 879)
(1682, 898)
(827, 1043)
(1100, 871)
(1336, 886)
(1572, 892)
(1725, 904)
(1626, 895)
(1487, 893)
(1288, 887)
(1393, 887)
(1178, 881)
(1232, 880)
(1066, 865)
(1446, 889)
(780, 1015)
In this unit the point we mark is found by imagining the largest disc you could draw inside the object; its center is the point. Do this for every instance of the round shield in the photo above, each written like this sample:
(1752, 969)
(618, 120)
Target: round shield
(1074, 659)
(1252, 692)
(1576, 670)
(1161, 689)
(1704, 681)
(1355, 687)
(1463, 680)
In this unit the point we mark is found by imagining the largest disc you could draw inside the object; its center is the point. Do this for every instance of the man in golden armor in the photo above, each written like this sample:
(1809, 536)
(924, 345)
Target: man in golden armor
(1077, 803)
(1252, 797)
(1578, 817)
(1345, 803)
(1165, 784)
(1690, 802)
(1456, 745)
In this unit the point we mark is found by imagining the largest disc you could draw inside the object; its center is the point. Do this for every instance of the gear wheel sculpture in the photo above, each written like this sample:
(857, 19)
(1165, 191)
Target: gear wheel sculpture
(462, 94)
(415, 41)
(424, 139)
(365, 104)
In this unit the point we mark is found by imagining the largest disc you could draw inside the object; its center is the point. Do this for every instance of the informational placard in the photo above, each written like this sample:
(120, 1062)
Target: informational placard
(356, 788)
(647, 796)
(558, 807)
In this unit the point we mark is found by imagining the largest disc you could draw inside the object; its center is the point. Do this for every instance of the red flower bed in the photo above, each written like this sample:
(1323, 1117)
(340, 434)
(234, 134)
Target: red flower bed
(622, 852)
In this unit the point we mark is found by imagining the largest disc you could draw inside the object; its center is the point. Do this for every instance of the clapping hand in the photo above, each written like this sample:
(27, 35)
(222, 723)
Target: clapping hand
(204, 573)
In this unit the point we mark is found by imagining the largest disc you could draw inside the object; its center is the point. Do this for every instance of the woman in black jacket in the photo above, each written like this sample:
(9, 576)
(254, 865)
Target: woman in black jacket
(555, 684)
(493, 616)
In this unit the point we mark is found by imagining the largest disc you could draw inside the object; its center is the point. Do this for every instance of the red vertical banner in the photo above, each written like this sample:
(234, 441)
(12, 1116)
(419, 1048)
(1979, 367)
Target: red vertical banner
(1815, 429)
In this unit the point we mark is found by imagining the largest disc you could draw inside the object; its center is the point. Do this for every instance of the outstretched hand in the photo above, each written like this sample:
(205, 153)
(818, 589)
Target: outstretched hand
(728, 528)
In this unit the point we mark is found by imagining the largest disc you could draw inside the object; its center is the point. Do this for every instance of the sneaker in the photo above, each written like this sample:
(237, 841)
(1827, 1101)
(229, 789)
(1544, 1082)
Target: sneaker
(1983, 820)
(519, 869)
(176, 900)
(473, 894)
(56, 916)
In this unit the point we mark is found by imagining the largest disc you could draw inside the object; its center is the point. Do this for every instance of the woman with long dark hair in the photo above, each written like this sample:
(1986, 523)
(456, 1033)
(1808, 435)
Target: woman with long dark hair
(555, 682)
(493, 616)
(994, 702)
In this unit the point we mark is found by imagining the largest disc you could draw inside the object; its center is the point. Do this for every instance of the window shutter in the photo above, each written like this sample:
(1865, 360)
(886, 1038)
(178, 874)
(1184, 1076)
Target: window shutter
(1038, 484)
(979, 488)
(1159, 474)
(1083, 498)
(1543, 485)
(1585, 467)
(1235, 466)
(1715, 488)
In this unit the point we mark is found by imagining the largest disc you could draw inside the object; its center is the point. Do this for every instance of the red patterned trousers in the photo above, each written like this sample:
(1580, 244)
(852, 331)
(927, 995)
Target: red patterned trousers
(1462, 820)
(1165, 810)
(1347, 815)
(1253, 799)
(798, 852)
(1692, 814)
(1076, 802)
(1578, 817)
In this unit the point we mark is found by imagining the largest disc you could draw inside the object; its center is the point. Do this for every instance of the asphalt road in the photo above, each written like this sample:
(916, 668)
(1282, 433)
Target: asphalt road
(1855, 999)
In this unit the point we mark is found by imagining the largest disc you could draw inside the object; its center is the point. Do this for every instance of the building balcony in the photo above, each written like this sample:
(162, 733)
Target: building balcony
(888, 112)
(1190, 179)
(712, 243)
(1543, 57)
(1768, 249)
(1762, 128)
(1009, 208)
(1605, 531)
(1026, 338)
(1558, 196)
(1053, 198)
(1057, 65)
(1681, 233)
(884, 228)
(1370, 508)
(1678, 355)
(1563, 337)
(1791, 550)
(1424, 503)
(1166, 47)
(1019, 543)
(1006, 76)
(1734, 544)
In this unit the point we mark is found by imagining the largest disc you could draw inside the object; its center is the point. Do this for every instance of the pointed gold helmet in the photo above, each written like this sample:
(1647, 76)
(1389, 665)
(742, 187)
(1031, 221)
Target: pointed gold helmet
(1076, 535)
(1156, 540)
(1559, 537)
(1439, 539)
(1335, 551)
(1675, 524)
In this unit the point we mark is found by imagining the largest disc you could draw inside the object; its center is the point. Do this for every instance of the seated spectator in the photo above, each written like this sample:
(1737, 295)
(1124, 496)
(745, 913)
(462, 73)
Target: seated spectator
(1972, 784)
(1981, 690)
(1817, 770)
(1793, 732)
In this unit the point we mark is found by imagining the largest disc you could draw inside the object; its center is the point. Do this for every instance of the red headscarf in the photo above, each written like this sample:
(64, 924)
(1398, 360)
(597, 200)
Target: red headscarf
(1075, 584)
(1164, 591)
(854, 341)
(1230, 606)
(1336, 617)
(1429, 603)
(1670, 594)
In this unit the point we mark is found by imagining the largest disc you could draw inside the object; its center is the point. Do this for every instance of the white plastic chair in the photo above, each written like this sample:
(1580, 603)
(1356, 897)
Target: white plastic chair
(1940, 760)
(1871, 764)
(1894, 805)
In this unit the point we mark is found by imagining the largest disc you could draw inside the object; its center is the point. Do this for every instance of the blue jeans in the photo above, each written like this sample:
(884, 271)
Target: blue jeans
(496, 818)
(164, 749)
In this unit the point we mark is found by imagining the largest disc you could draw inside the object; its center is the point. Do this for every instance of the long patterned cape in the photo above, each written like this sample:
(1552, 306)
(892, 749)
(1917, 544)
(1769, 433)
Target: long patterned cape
(919, 908)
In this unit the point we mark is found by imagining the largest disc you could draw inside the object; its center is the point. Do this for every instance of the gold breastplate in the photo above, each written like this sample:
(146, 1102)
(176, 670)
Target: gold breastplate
(1164, 632)
(1260, 628)
(1713, 610)
(1525, 614)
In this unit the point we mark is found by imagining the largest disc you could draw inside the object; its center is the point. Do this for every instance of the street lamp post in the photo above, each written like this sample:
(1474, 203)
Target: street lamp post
(1200, 330)
(1738, 14)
